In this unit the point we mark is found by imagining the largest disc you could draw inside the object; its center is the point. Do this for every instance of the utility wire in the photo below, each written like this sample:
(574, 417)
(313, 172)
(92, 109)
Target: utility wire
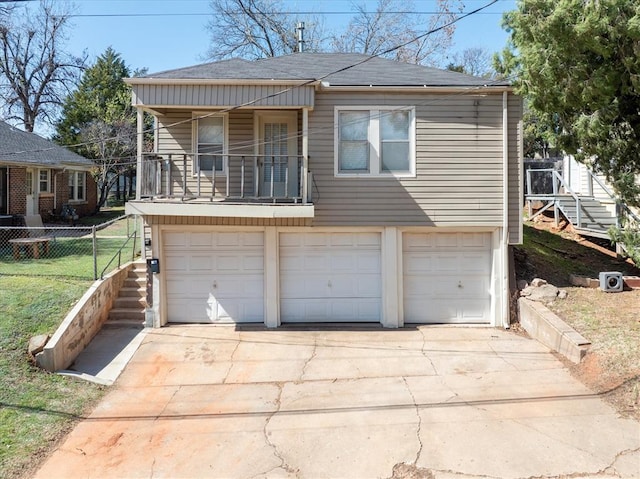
(285, 90)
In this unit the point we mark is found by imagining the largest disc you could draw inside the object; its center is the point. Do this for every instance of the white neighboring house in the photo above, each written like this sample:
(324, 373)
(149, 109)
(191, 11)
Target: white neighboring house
(329, 188)
(581, 179)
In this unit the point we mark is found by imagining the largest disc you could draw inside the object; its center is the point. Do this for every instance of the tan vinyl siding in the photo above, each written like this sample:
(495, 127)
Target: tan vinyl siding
(515, 160)
(217, 221)
(459, 165)
(207, 96)
(175, 137)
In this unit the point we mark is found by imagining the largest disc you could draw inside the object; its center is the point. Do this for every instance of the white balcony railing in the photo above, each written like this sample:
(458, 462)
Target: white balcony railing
(241, 178)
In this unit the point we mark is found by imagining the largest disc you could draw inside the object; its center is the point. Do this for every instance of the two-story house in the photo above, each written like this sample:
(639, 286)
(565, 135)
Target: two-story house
(329, 188)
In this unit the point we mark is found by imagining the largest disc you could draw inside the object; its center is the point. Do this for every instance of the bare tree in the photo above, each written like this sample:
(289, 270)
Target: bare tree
(35, 72)
(256, 29)
(112, 146)
(393, 31)
(473, 61)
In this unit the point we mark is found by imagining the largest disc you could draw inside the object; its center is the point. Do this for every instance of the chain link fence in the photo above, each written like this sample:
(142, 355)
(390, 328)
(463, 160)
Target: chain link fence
(84, 252)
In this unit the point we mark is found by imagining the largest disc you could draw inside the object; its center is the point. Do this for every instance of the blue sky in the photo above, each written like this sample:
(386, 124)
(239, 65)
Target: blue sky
(179, 38)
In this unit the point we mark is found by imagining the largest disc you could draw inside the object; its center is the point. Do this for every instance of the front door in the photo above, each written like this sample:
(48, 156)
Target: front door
(278, 149)
(32, 193)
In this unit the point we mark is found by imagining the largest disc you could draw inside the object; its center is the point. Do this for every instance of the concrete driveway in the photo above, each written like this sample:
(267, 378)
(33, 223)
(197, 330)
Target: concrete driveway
(428, 402)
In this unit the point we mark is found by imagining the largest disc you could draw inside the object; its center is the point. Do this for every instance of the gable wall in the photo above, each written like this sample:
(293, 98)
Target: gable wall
(515, 169)
(459, 162)
(459, 165)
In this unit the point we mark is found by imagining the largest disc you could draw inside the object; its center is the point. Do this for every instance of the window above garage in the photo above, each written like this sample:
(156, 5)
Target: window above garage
(374, 141)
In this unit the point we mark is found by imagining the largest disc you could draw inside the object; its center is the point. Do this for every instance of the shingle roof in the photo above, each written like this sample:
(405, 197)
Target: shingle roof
(21, 147)
(339, 69)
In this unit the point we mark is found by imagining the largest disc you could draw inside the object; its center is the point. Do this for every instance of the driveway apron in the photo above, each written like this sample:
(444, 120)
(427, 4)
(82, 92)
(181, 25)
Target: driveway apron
(424, 402)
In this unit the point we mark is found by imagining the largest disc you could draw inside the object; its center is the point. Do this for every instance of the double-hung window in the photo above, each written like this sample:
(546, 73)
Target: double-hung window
(77, 186)
(376, 141)
(210, 144)
(44, 181)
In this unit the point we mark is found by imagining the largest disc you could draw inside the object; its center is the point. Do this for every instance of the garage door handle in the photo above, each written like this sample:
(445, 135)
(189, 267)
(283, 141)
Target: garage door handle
(215, 284)
(329, 283)
(460, 284)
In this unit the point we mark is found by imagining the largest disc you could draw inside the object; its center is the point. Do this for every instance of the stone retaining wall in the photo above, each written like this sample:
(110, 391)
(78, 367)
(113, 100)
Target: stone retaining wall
(83, 322)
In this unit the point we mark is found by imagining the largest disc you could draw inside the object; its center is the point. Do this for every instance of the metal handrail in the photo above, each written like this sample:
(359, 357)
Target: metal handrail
(568, 189)
(557, 182)
(118, 253)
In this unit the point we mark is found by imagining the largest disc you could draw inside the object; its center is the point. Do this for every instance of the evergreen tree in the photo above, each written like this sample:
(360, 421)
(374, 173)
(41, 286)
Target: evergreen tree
(577, 63)
(99, 122)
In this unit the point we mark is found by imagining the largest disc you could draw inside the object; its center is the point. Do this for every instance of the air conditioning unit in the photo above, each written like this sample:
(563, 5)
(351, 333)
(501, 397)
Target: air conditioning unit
(611, 282)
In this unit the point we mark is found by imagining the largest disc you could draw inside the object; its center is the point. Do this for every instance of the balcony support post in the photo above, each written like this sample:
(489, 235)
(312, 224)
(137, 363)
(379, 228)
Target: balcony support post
(184, 176)
(140, 144)
(305, 156)
(242, 172)
(228, 183)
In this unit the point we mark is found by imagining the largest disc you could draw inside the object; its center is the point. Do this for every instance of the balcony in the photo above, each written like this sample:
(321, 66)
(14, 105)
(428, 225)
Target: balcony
(223, 185)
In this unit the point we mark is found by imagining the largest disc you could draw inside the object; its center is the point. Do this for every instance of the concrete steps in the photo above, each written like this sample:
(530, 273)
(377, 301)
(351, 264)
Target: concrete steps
(129, 307)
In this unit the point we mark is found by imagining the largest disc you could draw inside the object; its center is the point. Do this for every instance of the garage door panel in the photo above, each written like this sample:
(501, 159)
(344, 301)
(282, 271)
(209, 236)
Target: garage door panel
(292, 287)
(447, 277)
(201, 240)
(321, 310)
(228, 311)
(473, 263)
(188, 310)
(236, 286)
(173, 263)
(193, 288)
(200, 263)
(174, 239)
(474, 310)
(327, 277)
(214, 276)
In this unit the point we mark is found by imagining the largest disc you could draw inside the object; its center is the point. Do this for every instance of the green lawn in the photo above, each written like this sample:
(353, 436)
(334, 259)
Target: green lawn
(36, 407)
(71, 252)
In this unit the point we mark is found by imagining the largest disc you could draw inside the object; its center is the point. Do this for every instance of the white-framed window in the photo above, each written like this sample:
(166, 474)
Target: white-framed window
(77, 186)
(210, 143)
(44, 181)
(375, 141)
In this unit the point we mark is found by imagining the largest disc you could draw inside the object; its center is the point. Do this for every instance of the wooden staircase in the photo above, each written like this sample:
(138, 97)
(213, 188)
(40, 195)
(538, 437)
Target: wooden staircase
(594, 219)
(129, 307)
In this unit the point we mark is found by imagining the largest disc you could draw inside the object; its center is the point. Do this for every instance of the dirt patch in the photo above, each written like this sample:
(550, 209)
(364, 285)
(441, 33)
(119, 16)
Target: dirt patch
(611, 321)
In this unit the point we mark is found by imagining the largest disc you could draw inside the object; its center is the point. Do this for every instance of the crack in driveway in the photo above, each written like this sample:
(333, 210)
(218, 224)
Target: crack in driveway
(419, 429)
(313, 355)
(283, 463)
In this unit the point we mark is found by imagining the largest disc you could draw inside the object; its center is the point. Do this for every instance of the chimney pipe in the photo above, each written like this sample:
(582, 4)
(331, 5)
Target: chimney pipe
(300, 32)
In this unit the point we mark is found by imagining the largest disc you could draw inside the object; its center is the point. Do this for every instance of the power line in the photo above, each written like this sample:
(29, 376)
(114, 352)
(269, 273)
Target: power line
(285, 90)
(291, 13)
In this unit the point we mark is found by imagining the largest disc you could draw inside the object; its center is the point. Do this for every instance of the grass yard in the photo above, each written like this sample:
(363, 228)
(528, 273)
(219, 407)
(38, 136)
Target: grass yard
(36, 407)
(609, 320)
(71, 250)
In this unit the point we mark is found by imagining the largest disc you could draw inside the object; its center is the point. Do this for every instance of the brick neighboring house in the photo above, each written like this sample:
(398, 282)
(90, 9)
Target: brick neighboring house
(39, 177)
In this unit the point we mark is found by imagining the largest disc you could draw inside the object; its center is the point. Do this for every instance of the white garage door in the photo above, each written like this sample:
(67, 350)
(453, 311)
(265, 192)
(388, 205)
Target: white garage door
(447, 277)
(330, 277)
(214, 276)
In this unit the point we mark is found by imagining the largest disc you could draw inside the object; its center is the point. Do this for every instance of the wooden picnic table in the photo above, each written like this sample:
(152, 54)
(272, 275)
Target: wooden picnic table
(35, 243)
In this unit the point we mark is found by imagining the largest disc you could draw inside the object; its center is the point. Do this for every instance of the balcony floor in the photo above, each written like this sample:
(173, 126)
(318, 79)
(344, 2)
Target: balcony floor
(223, 207)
